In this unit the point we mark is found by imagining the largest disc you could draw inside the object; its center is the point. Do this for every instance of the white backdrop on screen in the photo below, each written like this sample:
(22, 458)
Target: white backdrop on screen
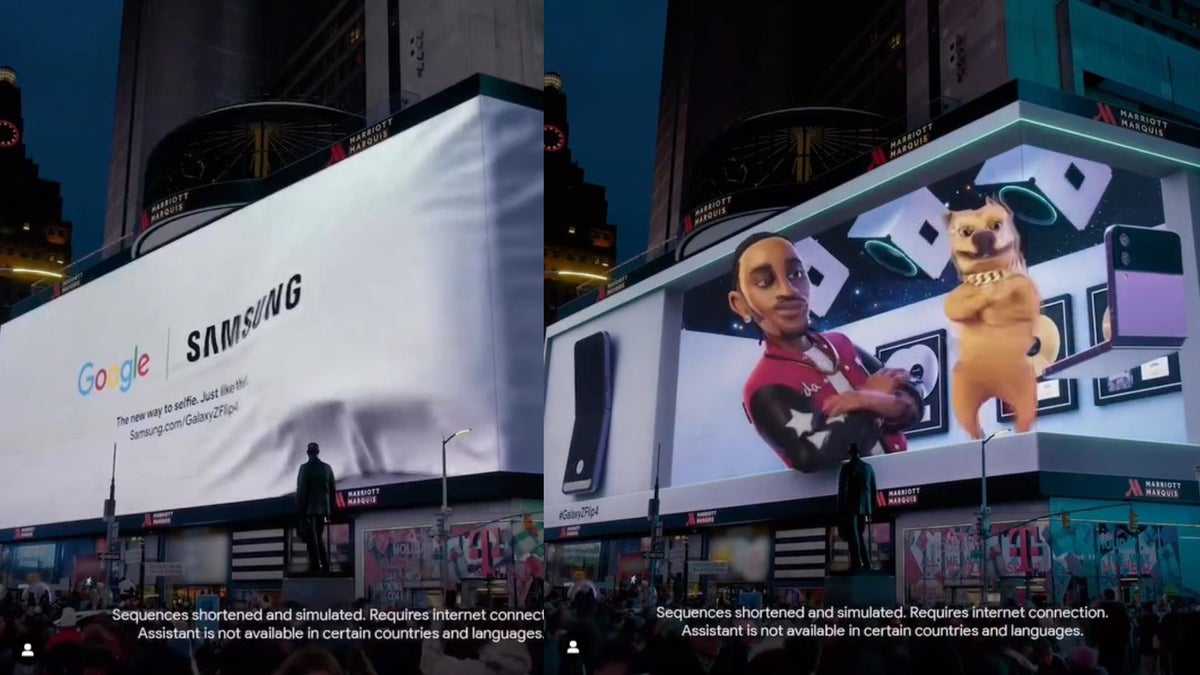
(381, 272)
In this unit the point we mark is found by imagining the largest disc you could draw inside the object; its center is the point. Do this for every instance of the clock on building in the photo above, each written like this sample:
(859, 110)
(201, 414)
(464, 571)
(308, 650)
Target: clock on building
(555, 139)
(10, 135)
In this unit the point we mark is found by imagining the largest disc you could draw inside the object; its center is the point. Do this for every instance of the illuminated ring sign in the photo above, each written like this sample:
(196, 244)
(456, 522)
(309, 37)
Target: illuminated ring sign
(726, 216)
(173, 217)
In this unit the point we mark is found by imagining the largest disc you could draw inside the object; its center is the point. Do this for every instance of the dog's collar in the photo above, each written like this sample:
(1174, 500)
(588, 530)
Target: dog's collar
(985, 278)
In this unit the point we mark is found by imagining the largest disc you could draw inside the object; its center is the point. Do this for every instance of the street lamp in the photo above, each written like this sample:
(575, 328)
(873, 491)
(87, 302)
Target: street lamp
(985, 516)
(444, 514)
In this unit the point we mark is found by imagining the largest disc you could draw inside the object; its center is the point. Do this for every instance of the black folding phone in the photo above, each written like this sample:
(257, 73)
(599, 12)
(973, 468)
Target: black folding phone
(593, 411)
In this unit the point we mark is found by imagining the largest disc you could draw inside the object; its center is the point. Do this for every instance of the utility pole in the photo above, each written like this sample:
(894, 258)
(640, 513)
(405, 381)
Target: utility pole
(985, 518)
(112, 541)
(444, 519)
(657, 544)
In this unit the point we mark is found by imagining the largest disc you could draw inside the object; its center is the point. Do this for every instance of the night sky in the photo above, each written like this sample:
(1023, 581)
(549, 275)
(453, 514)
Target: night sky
(65, 55)
(609, 53)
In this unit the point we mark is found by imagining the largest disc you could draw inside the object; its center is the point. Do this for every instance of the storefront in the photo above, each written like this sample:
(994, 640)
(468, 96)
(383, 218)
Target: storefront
(1138, 536)
(569, 561)
(1155, 554)
(63, 565)
(939, 557)
(1061, 551)
(495, 555)
(78, 565)
(736, 565)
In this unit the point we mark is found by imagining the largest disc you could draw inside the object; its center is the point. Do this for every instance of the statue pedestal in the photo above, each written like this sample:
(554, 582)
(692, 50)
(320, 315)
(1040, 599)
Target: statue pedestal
(863, 588)
(318, 592)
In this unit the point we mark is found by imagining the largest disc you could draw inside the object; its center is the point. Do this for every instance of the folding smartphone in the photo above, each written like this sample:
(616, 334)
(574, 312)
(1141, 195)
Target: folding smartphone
(1147, 297)
(593, 409)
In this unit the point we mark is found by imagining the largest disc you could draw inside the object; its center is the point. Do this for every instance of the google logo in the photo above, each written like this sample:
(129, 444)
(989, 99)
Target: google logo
(120, 375)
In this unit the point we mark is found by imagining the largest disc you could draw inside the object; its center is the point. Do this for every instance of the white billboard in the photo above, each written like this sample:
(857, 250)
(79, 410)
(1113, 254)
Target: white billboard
(373, 308)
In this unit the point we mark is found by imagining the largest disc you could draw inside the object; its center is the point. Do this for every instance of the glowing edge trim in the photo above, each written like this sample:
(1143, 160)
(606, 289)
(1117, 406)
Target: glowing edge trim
(42, 273)
(585, 275)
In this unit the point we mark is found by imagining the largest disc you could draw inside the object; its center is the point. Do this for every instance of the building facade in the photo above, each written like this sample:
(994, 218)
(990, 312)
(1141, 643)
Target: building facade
(365, 57)
(1101, 494)
(921, 58)
(724, 62)
(580, 244)
(35, 242)
(1141, 54)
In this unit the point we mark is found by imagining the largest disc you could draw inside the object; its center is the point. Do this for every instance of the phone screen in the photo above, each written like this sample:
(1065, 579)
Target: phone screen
(591, 374)
(593, 397)
(1149, 290)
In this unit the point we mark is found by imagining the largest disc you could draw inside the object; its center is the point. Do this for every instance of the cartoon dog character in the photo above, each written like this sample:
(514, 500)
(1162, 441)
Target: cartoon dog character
(994, 310)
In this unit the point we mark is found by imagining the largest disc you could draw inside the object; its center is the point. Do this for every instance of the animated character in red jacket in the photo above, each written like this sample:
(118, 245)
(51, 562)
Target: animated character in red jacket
(813, 394)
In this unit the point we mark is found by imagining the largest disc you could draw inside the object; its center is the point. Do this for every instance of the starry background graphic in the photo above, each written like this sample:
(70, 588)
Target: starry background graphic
(882, 278)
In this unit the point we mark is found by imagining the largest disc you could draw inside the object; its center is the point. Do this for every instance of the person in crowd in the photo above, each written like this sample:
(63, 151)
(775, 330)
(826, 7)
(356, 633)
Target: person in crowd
(1187, 653)
(68, 631)
(617, 658)
(1170, 637)
(310, 661)
(804, 653)
(6, 639)
(1111, 634)
(251, 658)
(507, 657)
(358, 663)
(1085, 661)
(1017, 656)
(937, 655)
(1149, 644)
(1049, 661)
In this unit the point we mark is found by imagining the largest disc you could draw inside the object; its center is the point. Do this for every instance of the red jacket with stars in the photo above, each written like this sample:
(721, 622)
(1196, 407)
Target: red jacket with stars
(784, 395)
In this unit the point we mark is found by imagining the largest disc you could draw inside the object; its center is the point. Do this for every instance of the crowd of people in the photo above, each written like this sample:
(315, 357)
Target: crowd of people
(593, 634)
(623, 635)
(44, 635)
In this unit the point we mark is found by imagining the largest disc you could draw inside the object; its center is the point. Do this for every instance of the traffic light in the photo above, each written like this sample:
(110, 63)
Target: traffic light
(1133, 521)
(1066, 521)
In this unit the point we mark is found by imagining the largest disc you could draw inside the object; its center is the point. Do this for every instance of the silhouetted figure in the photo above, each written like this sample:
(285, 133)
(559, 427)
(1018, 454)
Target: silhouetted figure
(856, 500)
(314, 501)
(1111, 634)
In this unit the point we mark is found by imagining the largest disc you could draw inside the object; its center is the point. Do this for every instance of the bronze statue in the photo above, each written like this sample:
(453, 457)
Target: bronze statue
(315, 488)
(856, 499)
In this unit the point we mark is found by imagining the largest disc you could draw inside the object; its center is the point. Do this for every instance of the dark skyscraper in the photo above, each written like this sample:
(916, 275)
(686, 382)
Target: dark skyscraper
(35, 243)
(580, 244)
(370, 58)
(723, 62)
